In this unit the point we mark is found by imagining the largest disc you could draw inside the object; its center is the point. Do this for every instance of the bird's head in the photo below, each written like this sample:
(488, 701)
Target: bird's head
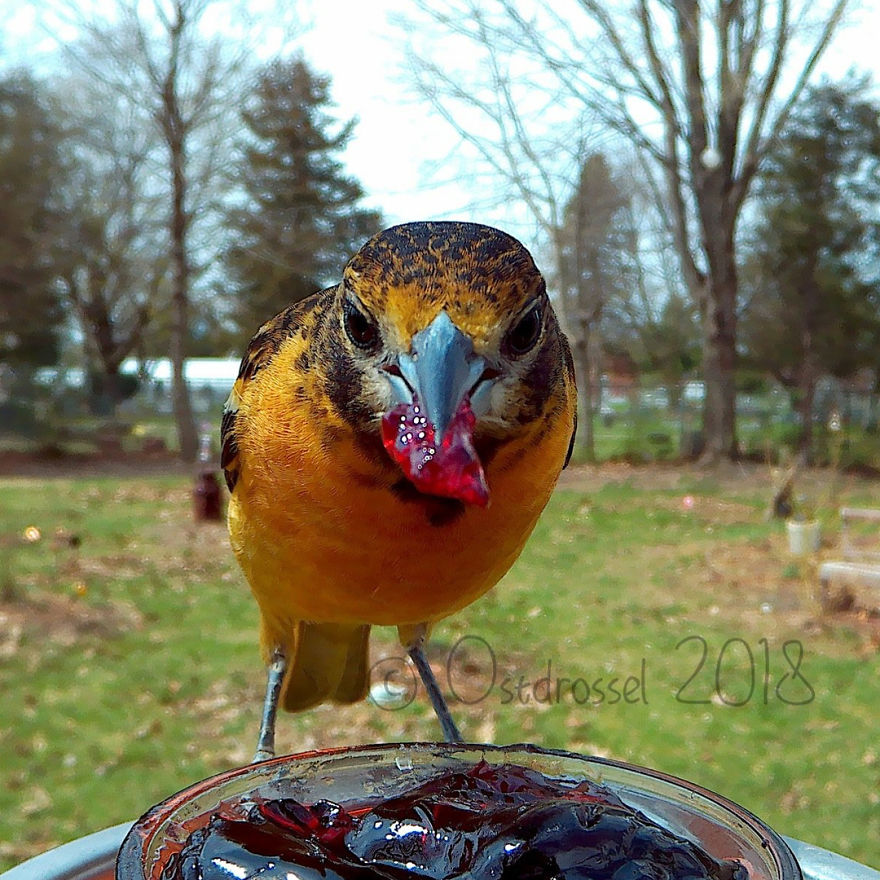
(451, 333)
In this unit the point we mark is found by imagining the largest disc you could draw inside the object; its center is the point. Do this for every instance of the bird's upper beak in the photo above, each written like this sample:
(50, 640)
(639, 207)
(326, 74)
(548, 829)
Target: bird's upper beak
(430, 432)
(441, 370)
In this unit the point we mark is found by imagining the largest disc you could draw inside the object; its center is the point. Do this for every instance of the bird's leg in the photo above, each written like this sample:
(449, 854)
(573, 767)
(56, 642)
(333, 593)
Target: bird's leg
(416, 652)
(274, 679)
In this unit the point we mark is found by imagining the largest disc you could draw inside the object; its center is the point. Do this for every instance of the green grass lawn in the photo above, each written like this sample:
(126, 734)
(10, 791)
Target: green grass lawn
(636, 626)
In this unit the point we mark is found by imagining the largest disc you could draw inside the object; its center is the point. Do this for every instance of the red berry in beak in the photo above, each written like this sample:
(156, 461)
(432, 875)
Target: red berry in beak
(450, 468)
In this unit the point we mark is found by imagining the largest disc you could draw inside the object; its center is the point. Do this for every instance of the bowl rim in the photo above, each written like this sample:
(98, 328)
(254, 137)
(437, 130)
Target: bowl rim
(142, 831)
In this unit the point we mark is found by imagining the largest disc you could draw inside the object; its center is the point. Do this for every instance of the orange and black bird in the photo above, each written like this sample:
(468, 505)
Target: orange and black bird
(389, 444)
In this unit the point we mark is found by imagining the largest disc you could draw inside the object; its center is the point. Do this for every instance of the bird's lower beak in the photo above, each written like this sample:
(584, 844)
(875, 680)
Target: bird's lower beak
(430, 432)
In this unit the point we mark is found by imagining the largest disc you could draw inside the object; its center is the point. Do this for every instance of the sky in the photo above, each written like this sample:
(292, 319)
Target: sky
(398, 142)
(355, 45)
(400, 149)
(397, 139)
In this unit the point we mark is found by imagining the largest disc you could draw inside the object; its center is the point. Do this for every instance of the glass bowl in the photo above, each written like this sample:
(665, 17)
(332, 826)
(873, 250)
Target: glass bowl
(361, 774)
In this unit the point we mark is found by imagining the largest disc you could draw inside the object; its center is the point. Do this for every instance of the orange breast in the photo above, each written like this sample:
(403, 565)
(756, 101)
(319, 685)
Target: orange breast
(321, 539)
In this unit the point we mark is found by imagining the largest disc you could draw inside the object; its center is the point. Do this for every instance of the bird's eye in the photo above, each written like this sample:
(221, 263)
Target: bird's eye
(361, 329)
(522, 337)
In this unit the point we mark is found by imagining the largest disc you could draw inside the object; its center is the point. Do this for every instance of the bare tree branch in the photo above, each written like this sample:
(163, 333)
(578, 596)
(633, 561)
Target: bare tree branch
(644, 78)
(758, 143)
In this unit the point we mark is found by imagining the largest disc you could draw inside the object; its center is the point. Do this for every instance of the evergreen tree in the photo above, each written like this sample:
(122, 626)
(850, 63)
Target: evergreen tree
(302, 220)
(31, 170)
(815, 265)
(671, 343)
(591, 274)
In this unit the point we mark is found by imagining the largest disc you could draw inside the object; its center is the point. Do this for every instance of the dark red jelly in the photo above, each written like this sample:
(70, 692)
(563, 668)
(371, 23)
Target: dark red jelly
(449, 468)
(488, 823)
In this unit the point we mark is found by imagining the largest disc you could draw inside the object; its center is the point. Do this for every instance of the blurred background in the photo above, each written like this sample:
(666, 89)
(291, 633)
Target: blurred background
(700, 187)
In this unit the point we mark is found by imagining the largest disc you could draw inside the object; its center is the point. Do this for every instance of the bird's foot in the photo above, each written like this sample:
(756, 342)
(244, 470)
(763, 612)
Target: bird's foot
(450, 730)
(266, 742)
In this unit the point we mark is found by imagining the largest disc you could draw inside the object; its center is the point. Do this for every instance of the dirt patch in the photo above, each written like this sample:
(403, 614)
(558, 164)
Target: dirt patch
(62, 621)
(28, 464)
(727, 475)
(762, 585)
(709, 509)
(822, 484)
(589, 478)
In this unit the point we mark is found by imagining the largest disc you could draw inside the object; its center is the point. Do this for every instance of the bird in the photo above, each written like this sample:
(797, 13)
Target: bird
(389, 444)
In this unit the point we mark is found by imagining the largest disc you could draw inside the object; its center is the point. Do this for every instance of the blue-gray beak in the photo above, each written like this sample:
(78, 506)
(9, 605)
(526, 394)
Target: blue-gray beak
(440, 371)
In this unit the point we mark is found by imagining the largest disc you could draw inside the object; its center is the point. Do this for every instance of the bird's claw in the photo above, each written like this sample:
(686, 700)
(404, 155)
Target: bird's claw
(262, 755)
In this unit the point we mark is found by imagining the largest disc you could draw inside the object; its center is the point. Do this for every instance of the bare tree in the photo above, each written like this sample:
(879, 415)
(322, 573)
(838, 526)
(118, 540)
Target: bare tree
(501, 122)
(116, 265)
(652, 317)
(701, 90)
(161, 57)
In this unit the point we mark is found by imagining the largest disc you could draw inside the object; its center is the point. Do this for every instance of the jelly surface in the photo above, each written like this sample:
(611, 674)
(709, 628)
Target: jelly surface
(449, 467)
(487, 823)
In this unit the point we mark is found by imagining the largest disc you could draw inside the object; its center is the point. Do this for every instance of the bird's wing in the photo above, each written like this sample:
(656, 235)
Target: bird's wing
(260, 351)
(570, 374)
(574, 431)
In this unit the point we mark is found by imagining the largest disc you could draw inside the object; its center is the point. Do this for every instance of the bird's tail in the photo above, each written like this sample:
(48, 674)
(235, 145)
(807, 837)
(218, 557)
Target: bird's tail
(328, 661)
